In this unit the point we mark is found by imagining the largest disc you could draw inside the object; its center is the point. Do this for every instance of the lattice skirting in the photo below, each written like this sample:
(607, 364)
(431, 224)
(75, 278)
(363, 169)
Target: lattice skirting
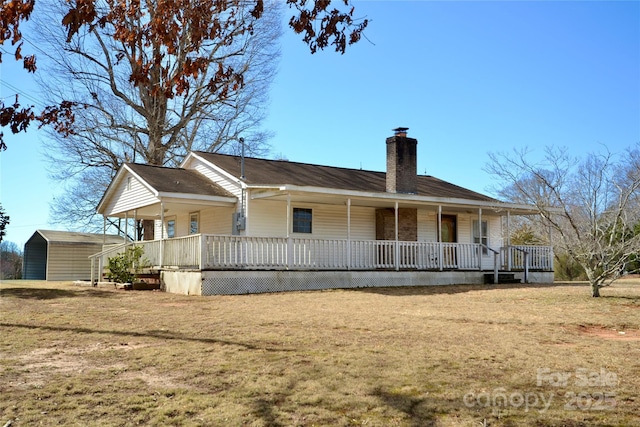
(245, 282)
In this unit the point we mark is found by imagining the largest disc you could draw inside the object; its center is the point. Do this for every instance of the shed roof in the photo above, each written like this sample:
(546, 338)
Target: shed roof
(279, 172)
(56, 236)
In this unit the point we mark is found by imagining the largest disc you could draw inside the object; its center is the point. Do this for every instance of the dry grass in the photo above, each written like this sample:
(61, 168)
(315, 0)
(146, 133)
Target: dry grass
(433, 356)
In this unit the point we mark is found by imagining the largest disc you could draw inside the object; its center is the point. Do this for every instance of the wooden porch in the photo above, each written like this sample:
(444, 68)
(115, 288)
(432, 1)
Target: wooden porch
(223, 252)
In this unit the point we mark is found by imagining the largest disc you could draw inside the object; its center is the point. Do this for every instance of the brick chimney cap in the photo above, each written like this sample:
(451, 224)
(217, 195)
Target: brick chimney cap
(400, 130)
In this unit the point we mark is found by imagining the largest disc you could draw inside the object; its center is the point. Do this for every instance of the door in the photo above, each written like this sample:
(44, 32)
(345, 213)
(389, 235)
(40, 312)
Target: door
(449, 233)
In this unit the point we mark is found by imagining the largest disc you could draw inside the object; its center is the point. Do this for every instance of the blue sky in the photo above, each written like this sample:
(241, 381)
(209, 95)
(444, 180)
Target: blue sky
(467, 78)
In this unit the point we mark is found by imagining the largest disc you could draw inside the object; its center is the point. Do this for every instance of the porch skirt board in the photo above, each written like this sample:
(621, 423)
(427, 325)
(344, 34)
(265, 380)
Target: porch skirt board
(251, 282)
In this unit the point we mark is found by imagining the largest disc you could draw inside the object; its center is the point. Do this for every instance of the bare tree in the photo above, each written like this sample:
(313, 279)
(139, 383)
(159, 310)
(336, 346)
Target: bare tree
(590, 205)
(10, 261)
(120, 122)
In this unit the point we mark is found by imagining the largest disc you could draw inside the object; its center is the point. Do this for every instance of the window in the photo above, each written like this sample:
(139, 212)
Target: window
(129, 183)
(476, 235)
(301, 220)
(171, 228)
(194, 223)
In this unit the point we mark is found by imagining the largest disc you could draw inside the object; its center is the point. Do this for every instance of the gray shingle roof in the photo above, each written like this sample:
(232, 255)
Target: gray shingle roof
(278, 172)
(177, 180)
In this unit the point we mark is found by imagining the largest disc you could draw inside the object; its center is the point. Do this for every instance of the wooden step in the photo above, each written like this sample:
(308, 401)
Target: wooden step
(503, 278)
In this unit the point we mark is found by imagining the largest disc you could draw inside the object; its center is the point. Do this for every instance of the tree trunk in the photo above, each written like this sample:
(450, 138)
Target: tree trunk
(595, 290)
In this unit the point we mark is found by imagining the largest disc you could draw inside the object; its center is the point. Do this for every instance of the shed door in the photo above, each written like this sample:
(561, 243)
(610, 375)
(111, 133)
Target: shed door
(35, 259)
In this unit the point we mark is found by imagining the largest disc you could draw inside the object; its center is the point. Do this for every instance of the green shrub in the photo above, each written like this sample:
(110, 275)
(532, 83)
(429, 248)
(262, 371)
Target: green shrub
(567, 269)
(124, 267)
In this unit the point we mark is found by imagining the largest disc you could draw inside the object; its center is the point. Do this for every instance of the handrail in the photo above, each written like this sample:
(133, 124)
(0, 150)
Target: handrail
(491, 249)
(526, 262)
(110, 249)
(496, 254)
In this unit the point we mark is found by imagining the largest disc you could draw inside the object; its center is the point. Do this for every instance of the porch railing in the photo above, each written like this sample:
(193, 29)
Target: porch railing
(520, 257)
(204, 251)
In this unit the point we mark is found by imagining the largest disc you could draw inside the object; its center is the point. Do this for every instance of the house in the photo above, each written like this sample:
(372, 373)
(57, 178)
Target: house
(227, 224)
(62, 255)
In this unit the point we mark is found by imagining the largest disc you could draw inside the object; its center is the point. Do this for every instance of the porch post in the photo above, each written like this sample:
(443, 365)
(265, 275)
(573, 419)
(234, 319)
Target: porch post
(441, 252)
(550, 251)
(104, 242)
(349, 233)
(135, 225)
(126, 226)
(161, 233)
(508, 240)
(480, 241)
(397, 251)
(203, 251)
(289, 249)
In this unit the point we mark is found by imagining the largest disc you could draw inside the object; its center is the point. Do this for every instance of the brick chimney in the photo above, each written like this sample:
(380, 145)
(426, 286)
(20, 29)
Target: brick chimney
(402, 167)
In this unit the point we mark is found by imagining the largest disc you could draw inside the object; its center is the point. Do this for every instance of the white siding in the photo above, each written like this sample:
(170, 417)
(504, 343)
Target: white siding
(495, 232)
(216, 220)
(266, 218)
(156, 229)
(427, 225)
(222, 180)
(182, 225)
(269, 218)
(363, 223)
(126, 199)
(465, 234)
(329, 222)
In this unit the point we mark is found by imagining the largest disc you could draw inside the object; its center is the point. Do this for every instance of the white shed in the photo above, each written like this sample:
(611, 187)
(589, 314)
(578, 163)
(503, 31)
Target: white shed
(62, 255)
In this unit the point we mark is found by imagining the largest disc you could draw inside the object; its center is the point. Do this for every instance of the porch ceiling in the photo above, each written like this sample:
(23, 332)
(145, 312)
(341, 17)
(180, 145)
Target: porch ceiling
(404, 201)
(171, 208)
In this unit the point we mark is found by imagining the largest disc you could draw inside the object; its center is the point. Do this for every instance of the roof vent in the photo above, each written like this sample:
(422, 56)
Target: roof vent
(400, 131)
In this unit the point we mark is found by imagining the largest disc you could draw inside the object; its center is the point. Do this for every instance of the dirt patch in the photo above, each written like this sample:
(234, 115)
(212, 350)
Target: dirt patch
(38, 365)
(155, 379)
(610, 334)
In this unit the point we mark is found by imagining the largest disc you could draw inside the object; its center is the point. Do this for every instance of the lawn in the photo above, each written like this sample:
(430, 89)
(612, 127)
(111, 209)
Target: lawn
(545, 355)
